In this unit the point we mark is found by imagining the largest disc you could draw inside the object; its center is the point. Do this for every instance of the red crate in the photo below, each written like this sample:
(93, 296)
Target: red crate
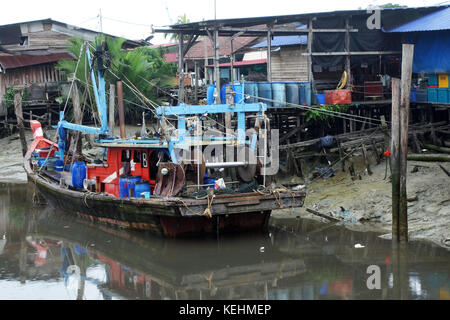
(333, 97)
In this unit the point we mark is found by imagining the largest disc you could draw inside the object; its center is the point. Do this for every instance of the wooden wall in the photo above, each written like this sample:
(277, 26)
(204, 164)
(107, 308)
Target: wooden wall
(288, 64)
(40, 78)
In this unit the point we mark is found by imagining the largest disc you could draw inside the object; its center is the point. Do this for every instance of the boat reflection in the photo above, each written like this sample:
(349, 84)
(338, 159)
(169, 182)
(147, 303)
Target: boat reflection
(56, 256)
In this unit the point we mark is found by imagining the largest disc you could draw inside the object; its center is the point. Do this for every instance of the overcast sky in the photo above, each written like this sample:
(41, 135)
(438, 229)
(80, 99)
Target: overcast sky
(132, 18)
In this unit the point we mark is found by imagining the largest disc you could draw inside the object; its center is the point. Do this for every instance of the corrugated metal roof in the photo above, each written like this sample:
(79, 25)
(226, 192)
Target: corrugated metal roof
(280, 41)
(9, 61)
(241, 63)
(171, 57)
(435, 21)
(198, 50)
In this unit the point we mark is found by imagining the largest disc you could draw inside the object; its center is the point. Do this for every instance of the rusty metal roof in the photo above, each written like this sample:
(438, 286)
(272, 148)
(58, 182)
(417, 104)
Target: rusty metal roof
(9, 61)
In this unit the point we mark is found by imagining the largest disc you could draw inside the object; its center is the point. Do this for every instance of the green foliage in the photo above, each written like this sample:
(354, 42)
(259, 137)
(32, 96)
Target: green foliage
(317, 115)
(392, 5)
(9, 97)
(174, 36)
(143, 68)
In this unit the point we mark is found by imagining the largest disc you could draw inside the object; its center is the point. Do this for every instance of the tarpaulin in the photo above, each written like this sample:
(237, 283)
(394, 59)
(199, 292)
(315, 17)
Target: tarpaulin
(431, 51)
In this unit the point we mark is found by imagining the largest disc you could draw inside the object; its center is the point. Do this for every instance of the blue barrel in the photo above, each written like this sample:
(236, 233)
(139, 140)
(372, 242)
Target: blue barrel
(279, 94)
(320, 98)
(251, 89)
(210, 183)
(265, 91)
(131, 183)
(210, 94)
(67, 167)
(301, 94)
(237, 89)
(223, 94)
(292, 93)
(42, 163)
(78, 174)
(141, 187)
(307, 88)
(123, 186)
(59, 165)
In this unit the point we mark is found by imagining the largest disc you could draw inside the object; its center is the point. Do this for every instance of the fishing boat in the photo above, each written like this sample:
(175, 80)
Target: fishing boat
(163, 182)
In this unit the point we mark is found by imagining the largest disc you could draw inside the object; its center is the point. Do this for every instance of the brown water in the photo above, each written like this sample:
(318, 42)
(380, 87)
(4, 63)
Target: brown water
(45, 254)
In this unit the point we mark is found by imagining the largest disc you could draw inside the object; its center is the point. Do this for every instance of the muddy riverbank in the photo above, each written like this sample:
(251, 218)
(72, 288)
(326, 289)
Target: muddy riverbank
(364, 205)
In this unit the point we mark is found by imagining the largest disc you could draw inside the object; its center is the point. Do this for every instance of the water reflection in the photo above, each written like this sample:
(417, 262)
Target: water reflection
(45, 254)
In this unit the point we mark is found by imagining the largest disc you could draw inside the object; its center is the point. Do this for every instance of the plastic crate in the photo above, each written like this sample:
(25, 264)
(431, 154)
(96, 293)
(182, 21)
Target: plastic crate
(442, 95)
(443, 80)
(432, 94)
(421, 95)
(333, 97)
(413, 97)
(433, 80)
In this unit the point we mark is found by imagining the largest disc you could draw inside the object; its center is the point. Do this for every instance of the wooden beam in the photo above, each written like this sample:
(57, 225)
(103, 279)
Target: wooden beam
(78, 117)
(112, 96)
(407, 62)
(19, 116)
(216, 65)
(395, 158)
(352, 53)
(269, 55)
(180, 69)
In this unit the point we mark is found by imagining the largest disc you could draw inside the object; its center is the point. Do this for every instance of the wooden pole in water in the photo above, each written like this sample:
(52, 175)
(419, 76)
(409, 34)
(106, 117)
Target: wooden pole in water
(395, 159)
(19, 116)
(112, 97)
(407, 60)
(121, 110)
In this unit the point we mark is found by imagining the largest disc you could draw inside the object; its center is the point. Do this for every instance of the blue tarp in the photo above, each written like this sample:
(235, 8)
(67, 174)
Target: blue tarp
(431, 51)
(439, 20)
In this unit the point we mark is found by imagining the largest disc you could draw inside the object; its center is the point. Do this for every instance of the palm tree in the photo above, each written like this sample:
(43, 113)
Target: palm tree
(142, 69)
(175, 36)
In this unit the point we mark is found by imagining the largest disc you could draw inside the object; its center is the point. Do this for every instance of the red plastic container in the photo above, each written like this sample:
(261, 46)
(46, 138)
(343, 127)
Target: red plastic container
(333, 97)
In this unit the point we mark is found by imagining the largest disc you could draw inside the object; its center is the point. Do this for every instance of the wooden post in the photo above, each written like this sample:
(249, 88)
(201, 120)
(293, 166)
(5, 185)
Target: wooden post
(386, 140)
(269, 54)
(180, 69)
(112, 96)
(216, 64)
(196, 82)
(407, 61)
(347, 50)
(19, 116)
(121, 110)
(231, 60)
(78, 117)
(395, 158)
(366, 159)
(206, 62)
(309, 49)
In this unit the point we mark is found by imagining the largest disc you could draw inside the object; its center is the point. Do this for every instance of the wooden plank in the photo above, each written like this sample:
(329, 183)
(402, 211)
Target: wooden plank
(407, 62)
(395, 159)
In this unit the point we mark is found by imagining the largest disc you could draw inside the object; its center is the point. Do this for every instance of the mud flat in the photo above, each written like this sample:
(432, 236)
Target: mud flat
(365, 205)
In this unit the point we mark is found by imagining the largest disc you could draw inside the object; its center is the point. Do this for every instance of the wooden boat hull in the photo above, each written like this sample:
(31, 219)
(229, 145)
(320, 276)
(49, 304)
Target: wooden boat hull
(170, 216)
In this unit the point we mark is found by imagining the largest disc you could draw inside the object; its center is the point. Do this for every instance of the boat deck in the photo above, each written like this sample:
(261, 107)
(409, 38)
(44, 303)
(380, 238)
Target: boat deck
(58, 175)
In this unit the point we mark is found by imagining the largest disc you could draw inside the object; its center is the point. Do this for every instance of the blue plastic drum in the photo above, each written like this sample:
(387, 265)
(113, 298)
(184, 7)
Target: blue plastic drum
(292, 93)
(265, 91)
(279, 94)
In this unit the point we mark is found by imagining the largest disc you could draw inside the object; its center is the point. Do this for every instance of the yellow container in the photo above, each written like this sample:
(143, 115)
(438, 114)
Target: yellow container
(443, 80)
